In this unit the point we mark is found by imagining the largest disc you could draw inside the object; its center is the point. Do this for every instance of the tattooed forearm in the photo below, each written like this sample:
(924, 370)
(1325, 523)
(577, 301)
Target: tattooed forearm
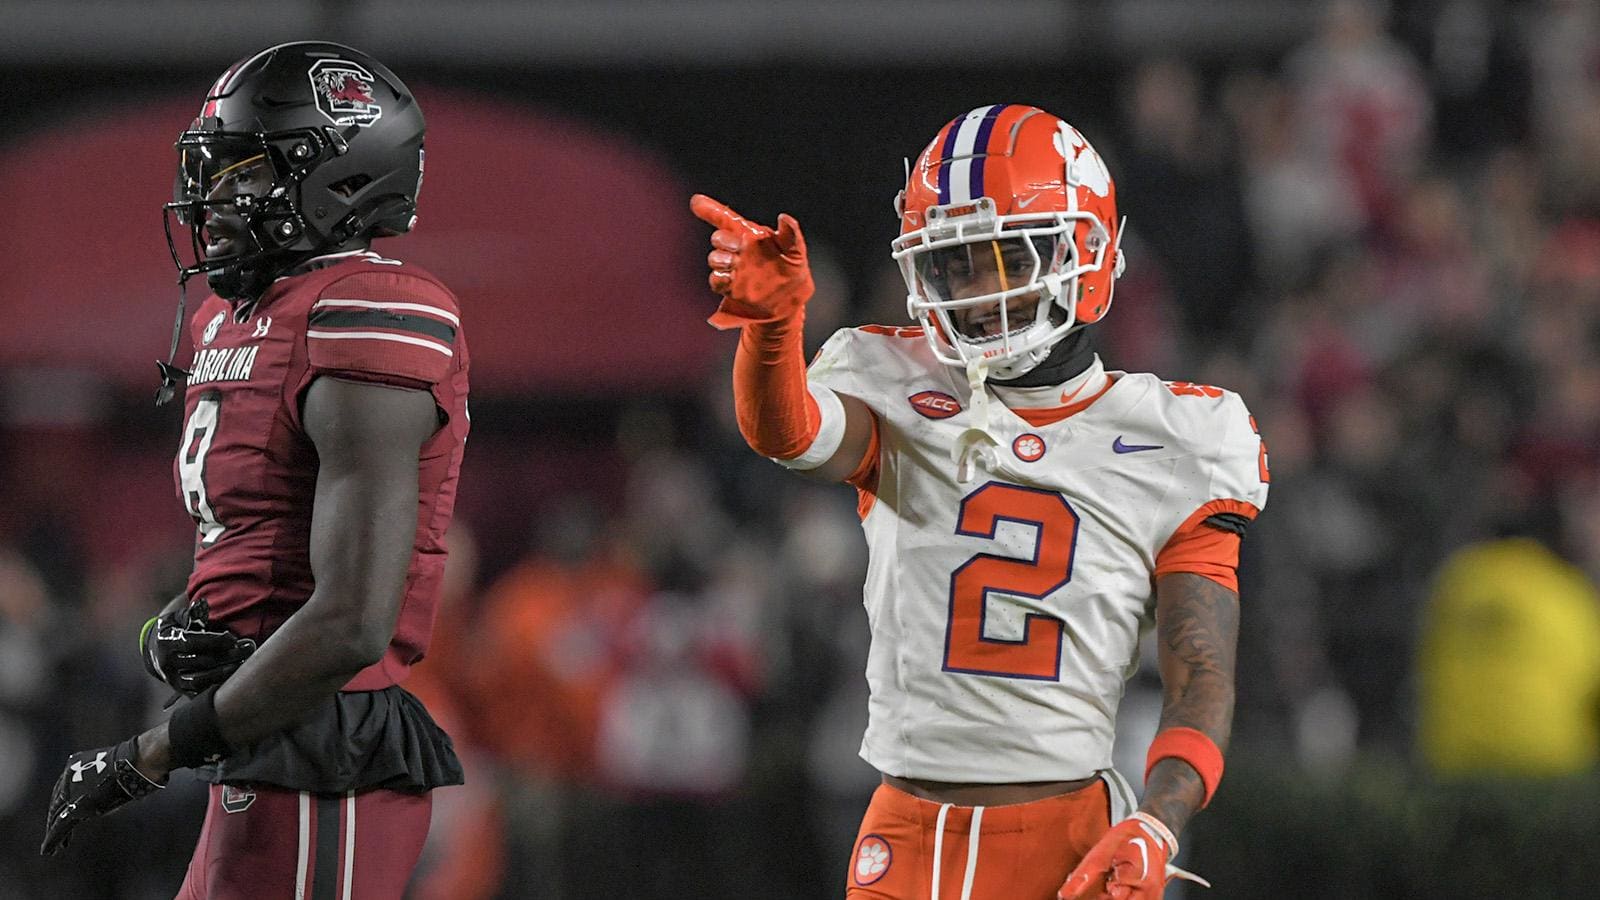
(1197, 629)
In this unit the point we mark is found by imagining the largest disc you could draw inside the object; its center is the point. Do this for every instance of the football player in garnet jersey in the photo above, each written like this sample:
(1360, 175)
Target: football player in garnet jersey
(326, 412)
(1028, 513)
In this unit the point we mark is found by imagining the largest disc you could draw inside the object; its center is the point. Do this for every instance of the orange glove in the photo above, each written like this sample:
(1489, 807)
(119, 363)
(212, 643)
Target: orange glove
(761, 274)
(1129, 862)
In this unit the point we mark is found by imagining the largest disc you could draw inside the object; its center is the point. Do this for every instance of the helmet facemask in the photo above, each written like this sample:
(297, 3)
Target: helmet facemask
(246, 186)
(971, 274)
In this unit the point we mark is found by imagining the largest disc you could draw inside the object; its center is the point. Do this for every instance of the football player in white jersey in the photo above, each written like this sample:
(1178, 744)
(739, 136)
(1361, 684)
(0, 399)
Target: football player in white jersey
(1028, 513)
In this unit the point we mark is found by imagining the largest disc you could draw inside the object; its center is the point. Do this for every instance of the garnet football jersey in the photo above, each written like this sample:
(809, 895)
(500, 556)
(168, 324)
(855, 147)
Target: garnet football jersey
(246, 469)
(1006, 612)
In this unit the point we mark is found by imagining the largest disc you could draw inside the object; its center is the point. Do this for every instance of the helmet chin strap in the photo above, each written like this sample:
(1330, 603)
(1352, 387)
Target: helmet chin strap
(234, 282)
(975, 447)
(171, 373)
(1068, 358)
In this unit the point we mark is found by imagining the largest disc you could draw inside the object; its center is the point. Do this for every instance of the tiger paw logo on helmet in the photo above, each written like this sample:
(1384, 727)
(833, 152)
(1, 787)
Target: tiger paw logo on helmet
(344, 92)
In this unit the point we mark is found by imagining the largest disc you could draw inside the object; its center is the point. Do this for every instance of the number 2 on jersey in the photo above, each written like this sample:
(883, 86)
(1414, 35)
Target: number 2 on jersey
(1037, 654)
(198, 433)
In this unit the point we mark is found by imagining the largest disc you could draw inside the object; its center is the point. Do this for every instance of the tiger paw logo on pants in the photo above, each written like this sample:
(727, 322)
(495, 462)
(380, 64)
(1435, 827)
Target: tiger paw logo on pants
(872, 859)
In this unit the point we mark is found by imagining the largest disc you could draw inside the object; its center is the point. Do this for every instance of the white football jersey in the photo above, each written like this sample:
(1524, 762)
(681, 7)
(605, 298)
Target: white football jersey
(1006, 611)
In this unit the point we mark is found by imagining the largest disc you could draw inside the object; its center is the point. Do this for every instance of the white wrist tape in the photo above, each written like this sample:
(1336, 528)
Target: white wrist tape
(830, 431)
(1158, 830)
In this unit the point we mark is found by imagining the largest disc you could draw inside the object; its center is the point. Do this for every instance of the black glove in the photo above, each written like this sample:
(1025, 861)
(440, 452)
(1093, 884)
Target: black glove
(184, 650)
(94, 783)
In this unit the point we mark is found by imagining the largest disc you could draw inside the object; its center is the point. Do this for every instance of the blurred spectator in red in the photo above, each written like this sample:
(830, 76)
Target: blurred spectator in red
(28, 658)
(1178, 183)
(545, 650)
(1564, 49)
(542, 654)
(674, 736)
(1508, 230)
(1364, 111)
(1295, 204)
(1435, 280)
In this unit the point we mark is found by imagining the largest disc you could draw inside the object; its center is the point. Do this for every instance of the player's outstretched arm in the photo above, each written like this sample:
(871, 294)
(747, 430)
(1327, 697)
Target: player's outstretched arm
(368, 439)
(764, 280)
(1197, 629)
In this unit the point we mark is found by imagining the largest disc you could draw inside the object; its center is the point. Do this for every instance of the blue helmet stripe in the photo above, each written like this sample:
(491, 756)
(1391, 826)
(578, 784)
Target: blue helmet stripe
(980, 147)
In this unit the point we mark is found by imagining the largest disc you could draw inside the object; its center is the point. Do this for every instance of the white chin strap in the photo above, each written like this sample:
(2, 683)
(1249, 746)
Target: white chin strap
(1020, 364)
(975, 447)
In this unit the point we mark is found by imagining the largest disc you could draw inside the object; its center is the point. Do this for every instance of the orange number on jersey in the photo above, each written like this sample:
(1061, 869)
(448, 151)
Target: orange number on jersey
(1037, 654)
(1190, 389)
(1261, 460)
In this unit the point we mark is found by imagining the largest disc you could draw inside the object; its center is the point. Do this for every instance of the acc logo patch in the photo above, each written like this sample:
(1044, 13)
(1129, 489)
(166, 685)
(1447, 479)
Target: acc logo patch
(934, 404)
(1028, 447)
(873, 857)
(343, 91)
(210, 334)
(236, 799)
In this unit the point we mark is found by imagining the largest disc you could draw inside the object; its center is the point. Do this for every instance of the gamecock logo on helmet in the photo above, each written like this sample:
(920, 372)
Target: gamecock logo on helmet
(343, 91)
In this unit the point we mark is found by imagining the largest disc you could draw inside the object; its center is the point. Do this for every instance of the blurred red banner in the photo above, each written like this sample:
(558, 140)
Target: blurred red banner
(573, 252)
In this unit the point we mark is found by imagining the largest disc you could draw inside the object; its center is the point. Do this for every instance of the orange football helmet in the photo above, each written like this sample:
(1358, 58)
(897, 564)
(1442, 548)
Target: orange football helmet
(1007, 203)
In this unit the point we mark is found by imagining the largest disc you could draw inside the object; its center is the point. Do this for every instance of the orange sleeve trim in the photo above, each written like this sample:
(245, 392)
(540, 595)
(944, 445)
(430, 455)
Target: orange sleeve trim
(1208, 552)
(865, 477)
(776, 413)
(1237, 507)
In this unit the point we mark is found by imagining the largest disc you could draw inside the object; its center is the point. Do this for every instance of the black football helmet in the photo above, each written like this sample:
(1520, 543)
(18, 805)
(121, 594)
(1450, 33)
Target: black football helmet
(334, 140)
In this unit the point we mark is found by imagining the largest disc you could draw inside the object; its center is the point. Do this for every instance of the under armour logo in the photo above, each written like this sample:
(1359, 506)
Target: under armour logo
(78, 768)
(262, 324)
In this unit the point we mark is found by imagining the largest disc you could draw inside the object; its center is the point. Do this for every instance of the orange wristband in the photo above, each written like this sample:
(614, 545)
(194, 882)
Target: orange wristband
(1193, 747)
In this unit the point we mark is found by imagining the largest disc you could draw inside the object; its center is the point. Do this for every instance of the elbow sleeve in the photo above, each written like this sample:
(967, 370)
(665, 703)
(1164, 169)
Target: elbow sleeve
(781, 416)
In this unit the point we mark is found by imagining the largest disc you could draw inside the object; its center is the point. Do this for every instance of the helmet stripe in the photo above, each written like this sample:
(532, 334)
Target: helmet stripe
(944, 160)
(981, 147)
(958, 154)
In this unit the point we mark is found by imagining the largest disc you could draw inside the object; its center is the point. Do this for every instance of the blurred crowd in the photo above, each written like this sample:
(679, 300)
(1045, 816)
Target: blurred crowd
(658, 687)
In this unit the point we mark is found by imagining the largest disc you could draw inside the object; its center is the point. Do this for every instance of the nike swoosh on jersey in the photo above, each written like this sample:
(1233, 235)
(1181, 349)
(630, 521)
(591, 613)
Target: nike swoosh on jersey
(1120, 447)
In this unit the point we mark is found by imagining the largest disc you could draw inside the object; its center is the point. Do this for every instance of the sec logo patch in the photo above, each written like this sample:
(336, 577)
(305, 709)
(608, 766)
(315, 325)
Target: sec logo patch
(1028, 447)
(873, 857)
(210, 334)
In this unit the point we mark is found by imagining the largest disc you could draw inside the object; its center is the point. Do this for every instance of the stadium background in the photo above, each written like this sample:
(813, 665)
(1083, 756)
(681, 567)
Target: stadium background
(1380, 223)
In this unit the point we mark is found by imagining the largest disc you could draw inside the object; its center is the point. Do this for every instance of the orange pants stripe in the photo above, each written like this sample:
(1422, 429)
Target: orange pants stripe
(1022, 851)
